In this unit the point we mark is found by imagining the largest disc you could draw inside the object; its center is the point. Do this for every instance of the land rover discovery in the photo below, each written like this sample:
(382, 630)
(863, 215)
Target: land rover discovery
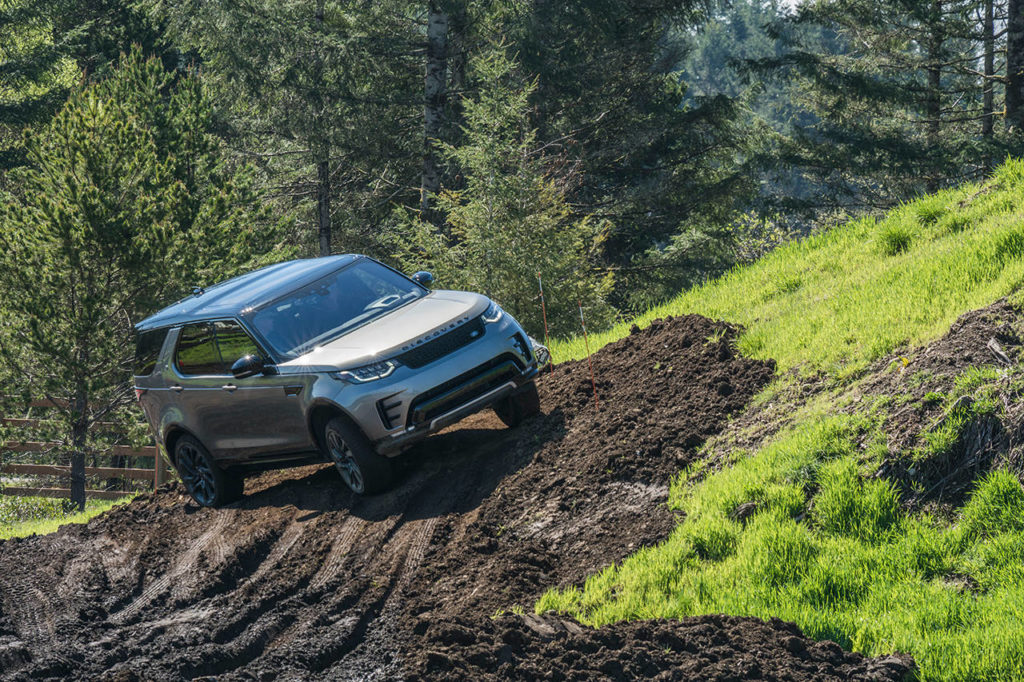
(338, 359)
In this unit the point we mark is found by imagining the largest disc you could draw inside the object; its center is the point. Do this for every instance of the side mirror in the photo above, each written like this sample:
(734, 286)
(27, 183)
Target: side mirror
(423, 278)
(248, 366)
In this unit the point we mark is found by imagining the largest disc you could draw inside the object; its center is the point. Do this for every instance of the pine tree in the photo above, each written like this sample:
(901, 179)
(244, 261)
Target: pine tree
(650, 160)
(510, 221)
(902, 105)
(48, 47)
(122, 204)
(321, 96)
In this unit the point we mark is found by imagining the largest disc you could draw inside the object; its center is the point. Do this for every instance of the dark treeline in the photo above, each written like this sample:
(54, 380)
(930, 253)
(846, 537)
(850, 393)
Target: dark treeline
(671, 137)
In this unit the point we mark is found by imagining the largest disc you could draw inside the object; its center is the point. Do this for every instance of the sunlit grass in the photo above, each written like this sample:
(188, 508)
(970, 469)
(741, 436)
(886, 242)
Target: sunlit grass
(24, 516)
(797, 529)
(833, 552)
(843, 298)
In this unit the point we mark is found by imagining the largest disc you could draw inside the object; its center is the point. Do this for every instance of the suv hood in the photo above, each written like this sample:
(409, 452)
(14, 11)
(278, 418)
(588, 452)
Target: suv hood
(389, 335)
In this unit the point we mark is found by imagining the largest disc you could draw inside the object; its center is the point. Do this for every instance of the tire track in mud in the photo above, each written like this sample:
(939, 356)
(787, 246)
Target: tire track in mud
(213, 537)
(27, 606)
(390, 547)
(374, 651)
(282, 546)
(340, 549)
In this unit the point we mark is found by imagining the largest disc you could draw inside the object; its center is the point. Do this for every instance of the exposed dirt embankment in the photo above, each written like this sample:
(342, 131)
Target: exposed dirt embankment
(703, 648)
(302, 580)
(923, 384)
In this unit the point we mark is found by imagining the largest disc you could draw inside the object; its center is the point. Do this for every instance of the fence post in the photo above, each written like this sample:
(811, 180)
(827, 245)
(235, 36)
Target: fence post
(159, 473)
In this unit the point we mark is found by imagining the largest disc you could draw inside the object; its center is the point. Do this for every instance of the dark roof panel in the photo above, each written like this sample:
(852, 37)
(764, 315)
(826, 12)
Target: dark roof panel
(229, 298)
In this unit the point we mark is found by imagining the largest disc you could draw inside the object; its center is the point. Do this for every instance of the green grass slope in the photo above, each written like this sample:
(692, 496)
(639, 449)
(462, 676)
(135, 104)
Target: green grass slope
(822, 544)
(840, 299)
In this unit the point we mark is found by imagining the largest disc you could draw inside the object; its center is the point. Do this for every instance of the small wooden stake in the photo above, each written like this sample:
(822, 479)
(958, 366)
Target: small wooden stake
(544, 312)
(593, 384)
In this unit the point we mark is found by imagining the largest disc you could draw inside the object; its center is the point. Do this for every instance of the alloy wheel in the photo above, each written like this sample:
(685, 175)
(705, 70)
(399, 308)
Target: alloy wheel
(196, 474)
(344, 461)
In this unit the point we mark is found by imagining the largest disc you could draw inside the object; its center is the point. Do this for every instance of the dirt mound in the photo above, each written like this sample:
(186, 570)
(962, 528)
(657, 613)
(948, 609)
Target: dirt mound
(923, 381)
(303, 580)
(594, 490)
(703, 648)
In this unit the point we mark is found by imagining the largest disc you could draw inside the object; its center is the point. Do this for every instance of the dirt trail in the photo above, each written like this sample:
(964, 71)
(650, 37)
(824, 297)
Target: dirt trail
(303, 580)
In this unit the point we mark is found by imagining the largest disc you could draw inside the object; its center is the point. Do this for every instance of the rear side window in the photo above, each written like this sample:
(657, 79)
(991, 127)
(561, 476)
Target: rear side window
(147, 351)
(234, 342)
(197, 352)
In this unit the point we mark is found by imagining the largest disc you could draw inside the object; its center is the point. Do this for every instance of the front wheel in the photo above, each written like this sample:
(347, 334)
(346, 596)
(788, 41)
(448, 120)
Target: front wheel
(362, 469)
(518, 406)
(207, 483)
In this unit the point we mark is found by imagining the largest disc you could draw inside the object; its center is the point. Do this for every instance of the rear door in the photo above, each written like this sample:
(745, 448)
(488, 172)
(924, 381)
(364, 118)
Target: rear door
(199, 380)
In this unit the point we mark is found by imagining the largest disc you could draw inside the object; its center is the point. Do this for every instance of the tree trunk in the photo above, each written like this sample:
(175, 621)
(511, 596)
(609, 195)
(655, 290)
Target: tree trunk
(1015, 65)
(321, 154)
(987, 99)
(435, 95)
(79, 432)
(323, 202)
(457, 59)
(933, 101)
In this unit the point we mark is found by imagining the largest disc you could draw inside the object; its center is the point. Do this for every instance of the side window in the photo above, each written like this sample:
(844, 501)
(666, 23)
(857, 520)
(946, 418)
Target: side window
(197, 351)
(147, 351)
(234, 342)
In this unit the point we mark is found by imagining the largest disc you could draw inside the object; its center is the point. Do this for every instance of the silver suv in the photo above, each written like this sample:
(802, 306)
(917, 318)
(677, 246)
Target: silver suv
(338, 359)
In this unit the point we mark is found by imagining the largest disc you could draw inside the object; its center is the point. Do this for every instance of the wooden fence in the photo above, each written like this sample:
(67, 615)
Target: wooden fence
(157, 475)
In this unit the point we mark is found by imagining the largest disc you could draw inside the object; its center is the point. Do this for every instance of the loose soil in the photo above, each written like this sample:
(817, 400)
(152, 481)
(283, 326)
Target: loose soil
(919, 381)
(302, 580)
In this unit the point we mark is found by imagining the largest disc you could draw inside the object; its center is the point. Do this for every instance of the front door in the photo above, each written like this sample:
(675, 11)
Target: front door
(262, 415)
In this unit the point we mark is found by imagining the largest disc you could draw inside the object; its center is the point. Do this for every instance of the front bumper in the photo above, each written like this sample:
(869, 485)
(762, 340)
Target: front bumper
(414, 402)
(432, 423)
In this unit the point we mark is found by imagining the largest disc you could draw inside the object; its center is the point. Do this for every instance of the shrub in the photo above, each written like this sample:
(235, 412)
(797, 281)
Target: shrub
(930, 209)
(996, 506)
(894, 237)
(848, 505)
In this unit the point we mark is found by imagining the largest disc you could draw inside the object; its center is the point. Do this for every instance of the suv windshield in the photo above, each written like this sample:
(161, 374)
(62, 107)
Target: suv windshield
(331, 306)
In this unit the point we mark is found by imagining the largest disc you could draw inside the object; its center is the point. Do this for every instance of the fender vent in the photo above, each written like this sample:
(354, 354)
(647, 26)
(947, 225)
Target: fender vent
(390, 410)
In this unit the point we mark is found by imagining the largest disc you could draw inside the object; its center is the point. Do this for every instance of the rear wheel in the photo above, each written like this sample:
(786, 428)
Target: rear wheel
(207, 483)
(519, 406)
(362, 469)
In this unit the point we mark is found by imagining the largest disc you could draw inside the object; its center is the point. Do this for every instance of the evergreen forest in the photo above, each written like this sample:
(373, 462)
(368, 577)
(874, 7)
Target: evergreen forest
(613, 152)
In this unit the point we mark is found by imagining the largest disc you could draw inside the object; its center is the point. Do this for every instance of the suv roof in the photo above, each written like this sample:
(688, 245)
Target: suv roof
(229, 298)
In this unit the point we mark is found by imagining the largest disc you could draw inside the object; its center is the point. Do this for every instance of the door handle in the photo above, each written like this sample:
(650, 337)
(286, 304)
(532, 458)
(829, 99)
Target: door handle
(230, 388)
(177, 388)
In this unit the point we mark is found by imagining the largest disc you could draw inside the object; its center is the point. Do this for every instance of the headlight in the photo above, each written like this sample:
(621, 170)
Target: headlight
(493, 313)
(361, 375)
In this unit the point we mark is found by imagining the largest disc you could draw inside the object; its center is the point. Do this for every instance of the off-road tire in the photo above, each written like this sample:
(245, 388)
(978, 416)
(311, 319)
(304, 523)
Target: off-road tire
(207, 483)
(522, 404)
(363, 470)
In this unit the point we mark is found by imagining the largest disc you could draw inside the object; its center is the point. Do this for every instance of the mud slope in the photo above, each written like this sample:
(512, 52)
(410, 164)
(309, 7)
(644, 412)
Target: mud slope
(303, 580)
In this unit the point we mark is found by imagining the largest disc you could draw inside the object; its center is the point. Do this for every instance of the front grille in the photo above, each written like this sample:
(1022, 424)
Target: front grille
(464, 388)
(427, 352)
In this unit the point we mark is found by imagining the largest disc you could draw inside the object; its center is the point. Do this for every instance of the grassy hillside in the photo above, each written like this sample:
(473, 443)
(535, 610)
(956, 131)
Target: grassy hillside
(804, 527)
(845, 297)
